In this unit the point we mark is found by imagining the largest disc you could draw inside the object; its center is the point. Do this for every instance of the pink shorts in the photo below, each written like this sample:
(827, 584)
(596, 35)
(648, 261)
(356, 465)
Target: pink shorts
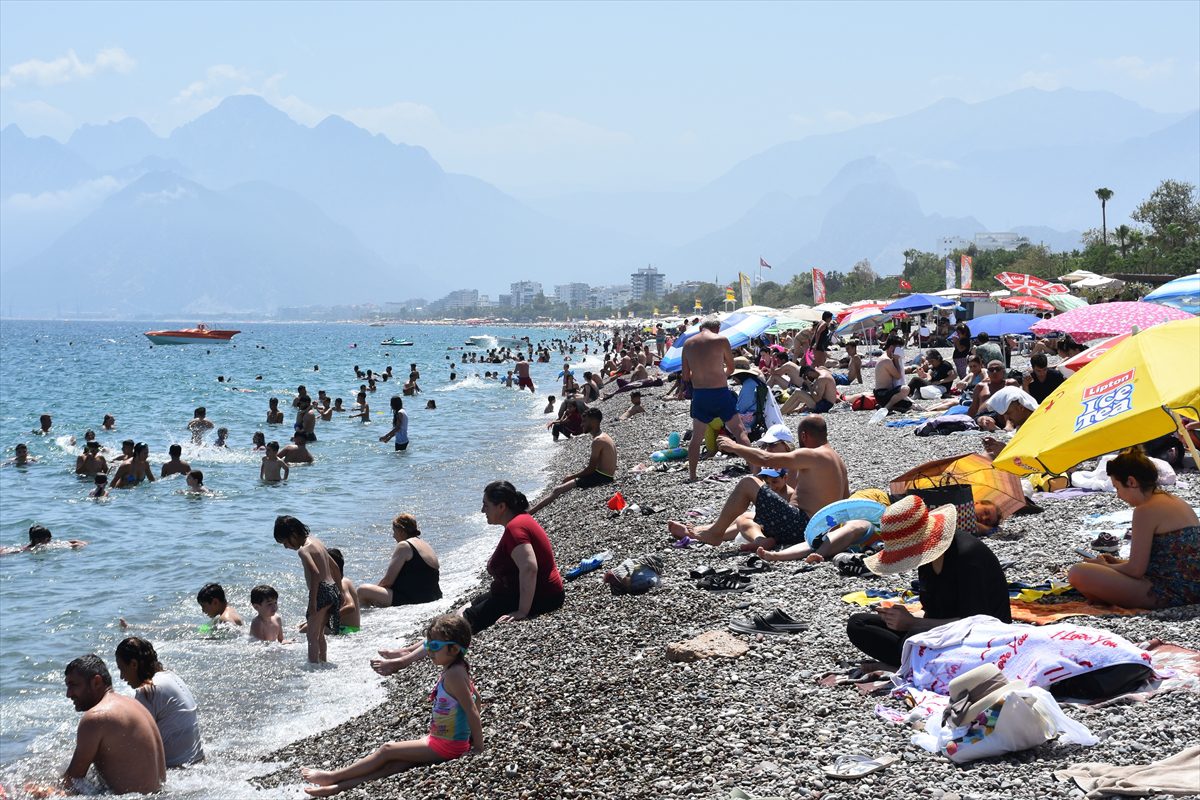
(447, 749)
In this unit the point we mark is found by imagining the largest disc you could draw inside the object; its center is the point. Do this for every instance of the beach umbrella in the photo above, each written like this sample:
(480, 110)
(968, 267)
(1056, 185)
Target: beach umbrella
(1000, 293)
(800, 316)
(1081, 360)
(861, 320)
(760, 310)
(1024, 301)
(738, 328)
(1182, 293)
(1065, 302)
(1108, 319)
(1077, 275)
(1134, 393)
(1020, 282)
(986, 482)
(1050, 289)
(919, 303)
(1004, 324)
(1099, 282)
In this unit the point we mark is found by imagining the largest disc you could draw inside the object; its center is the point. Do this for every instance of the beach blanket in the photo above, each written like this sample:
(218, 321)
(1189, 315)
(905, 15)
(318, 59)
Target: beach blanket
(1040, 656)
(1047, 613)
(1177, 775)
(869, 597)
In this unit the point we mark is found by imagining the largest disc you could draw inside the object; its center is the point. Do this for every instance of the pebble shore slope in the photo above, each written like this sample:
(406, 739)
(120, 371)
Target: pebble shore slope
(583, 703)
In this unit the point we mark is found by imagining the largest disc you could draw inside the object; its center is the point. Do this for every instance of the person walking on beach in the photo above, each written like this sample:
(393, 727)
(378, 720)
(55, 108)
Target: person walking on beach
(707, 365)
(399, 425)
(454, 730)
(324, 593)
(116, 734)
(601, 468)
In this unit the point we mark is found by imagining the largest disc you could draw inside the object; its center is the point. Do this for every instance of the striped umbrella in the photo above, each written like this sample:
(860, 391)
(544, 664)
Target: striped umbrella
(861, 319)
(1108, 319)
(1182, 293)
(738, 328)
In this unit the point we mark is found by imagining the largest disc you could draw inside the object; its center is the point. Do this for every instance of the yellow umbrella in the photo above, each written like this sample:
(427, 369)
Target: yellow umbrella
(1135, 392)
(986, 482)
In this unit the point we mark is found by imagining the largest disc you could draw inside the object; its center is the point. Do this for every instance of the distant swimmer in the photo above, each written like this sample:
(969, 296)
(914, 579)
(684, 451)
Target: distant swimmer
(90, 462)
(21, 456)
(337, 405)
(274, 415)
(195, 483)
(116, 734)
(101, 490)
(301, 396)
(44, 425)
(175, 465)
(399, 425)
(258, 441)
(274, 469)
(431, 405)
(200, 424)
(39, 539)
(297, 452)
(222, 435)
(325, 410)
(133, 472)
(109, 423)
(306, 420)
(211, 598)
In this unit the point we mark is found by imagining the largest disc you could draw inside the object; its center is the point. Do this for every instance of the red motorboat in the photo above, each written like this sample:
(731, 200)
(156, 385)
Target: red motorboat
(199, 334)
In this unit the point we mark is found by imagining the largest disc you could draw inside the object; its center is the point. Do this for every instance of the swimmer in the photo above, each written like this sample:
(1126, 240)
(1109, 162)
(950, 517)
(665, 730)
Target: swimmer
(274, 415)
(431, 405)
(222, 434)
(267, 625)
(175, 466)
(297, 452)
(90, 462)
(21, 456)
(199, 424)
(133, 472)
(325, 410)
(44, 425)
(101, 490)
(211, 598)
(364, 410)
(325, 595)
(259, 441)
(273, 469)
(40, 536)
(337, 405)
(109, 423)
(195, 483)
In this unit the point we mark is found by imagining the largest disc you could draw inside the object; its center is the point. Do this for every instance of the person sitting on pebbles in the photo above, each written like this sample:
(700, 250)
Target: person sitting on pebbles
(958, 575)
(815, 470)
(1011, 405)
(601, 468)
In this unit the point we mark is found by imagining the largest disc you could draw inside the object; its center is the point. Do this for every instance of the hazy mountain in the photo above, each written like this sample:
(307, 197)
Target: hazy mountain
(114, 145)
(166, 243)
(37, 165)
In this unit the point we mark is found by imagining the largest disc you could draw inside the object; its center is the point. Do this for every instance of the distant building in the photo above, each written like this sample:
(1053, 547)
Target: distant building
(524, 292)
(610, 296)
(486, 302)
(504, 300)
(999, 241)
(459, 300)
(647, 284)
(573, 295)
(949, 244)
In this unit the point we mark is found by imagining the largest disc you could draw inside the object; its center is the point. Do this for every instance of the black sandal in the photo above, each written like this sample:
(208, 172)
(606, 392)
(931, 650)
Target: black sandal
(724, 583)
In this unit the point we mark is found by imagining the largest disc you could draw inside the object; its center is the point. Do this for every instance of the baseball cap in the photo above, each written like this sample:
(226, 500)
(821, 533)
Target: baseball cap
(767, 472)
(777, 433)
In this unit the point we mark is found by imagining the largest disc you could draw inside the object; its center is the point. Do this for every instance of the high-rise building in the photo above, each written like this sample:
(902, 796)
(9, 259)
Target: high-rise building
(460, 299)
(523, 292)
(574, 295)
(647, 284)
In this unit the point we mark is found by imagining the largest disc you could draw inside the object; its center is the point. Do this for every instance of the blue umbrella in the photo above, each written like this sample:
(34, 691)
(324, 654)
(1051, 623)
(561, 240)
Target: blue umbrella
(920, 303)
(739, 328)
(1004, 324)
(1181, 293)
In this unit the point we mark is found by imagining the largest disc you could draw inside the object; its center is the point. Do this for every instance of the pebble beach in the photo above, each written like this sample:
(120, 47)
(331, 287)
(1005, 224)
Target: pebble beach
(584, 702)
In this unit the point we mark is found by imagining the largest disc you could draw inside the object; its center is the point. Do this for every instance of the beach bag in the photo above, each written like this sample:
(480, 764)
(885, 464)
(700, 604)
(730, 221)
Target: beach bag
(1015, 722)
(946, 491)
(636, 575)
(864, 402)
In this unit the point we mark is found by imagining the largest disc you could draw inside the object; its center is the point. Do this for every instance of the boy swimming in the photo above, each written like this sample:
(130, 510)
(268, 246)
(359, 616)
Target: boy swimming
(267, 626)
(211, 598)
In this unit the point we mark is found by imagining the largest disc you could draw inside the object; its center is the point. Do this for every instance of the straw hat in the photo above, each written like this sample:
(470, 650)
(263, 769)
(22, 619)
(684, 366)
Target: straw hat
(912, 535)
(744, 369)
(974, 691)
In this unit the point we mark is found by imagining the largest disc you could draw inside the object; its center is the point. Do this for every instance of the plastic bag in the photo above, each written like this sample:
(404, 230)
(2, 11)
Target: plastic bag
(930, 393)
(635, 576)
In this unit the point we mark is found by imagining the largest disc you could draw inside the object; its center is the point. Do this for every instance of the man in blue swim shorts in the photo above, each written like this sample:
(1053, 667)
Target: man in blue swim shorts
(707, 365)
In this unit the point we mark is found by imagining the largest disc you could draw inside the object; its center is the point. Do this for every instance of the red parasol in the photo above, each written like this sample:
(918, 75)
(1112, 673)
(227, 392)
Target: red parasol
(1020, 282)
(1024, 301)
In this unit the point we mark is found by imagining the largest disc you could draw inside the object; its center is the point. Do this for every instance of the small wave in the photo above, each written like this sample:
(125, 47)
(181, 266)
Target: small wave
(469, 382)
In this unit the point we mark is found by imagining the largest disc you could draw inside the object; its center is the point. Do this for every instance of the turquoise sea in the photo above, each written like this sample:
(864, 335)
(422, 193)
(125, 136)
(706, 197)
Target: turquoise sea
(152, 547)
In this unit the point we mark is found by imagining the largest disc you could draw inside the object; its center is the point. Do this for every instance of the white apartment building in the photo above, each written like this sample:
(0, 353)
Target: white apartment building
(523, 292)
(574, 295)
(647, 284)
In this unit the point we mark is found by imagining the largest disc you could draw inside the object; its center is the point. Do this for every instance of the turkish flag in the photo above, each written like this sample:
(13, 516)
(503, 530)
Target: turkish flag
(905, 284)
(763, 263)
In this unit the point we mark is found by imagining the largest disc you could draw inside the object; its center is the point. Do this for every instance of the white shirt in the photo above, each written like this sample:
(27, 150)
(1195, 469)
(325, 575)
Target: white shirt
(173, 707)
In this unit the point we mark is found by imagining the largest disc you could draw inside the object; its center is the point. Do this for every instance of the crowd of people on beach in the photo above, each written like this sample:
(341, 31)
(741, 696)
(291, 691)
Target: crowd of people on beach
(794, 476)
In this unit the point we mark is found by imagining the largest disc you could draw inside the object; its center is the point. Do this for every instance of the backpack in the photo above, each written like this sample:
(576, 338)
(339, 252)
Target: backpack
(759, 427)
(864, 402)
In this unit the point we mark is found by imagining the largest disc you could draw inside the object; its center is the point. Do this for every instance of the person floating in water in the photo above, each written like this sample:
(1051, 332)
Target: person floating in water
(39, 538)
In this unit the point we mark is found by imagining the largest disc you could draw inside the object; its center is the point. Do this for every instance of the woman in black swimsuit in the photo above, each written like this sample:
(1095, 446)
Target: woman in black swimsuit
(412, 574)
(962, 349)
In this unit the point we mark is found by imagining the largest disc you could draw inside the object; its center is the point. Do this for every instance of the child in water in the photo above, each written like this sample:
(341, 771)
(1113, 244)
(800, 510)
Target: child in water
(324, 593)
(274, 469)
(454, 730)
(267, 626)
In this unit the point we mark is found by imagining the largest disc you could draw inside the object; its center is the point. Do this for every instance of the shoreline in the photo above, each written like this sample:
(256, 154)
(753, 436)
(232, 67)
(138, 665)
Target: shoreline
(584, 703)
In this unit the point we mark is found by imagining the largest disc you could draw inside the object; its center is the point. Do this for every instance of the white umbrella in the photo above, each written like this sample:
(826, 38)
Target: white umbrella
(1077, 275)
(1099, 282)
(766, 310)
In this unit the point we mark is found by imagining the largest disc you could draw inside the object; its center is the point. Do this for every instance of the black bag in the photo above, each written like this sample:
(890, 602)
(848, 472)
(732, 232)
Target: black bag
(952, 493)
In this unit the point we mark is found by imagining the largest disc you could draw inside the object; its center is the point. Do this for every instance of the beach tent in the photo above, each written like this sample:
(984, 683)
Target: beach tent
(986, 482)
(1134, 393)
(919, 304)
(1108, 319)
(1182, 293)
(1004, 324)
(738, 328)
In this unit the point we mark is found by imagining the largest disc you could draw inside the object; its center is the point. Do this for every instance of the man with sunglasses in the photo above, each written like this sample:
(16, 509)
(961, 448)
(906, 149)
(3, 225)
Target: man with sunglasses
(995, 380)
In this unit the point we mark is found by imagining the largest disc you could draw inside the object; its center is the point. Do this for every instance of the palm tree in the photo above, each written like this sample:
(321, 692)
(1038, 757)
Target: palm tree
(1122, 232)
(1105, 195)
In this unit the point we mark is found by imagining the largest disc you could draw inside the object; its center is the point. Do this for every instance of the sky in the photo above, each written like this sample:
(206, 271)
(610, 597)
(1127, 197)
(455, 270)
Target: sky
(545, 98)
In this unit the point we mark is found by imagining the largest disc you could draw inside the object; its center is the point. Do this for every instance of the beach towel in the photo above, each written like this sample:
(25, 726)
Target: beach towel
(1039, 656)
(1177, 775)
(1047, 613)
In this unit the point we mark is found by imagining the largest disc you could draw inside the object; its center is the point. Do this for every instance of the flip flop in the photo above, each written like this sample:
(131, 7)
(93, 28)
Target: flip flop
(757, 624)
(723, 584)
(854, 766)
(686, 541)
(753, 564)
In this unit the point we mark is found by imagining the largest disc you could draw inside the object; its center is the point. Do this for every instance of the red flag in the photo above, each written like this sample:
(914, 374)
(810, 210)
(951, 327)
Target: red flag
(818, 281)
(763, 263)
(616, 502)
(905, 284)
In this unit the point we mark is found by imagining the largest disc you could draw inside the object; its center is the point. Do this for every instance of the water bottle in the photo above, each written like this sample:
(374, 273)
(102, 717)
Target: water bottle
(878, 416)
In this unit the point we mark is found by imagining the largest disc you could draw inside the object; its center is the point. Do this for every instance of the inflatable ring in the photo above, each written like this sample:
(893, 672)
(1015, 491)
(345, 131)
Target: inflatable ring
(839, 513)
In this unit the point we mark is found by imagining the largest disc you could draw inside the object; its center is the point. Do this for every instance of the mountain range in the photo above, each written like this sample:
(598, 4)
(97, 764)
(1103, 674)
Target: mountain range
(244, 209)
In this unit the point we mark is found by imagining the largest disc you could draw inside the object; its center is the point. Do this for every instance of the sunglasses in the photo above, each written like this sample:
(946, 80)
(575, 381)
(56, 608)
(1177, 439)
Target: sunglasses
(995, 369)
(435, 645)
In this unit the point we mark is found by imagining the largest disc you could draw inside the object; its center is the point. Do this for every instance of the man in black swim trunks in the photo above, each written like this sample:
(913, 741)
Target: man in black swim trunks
(601, 468)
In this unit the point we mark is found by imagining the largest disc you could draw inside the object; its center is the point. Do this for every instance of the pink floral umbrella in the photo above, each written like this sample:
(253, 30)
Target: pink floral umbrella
(1108, 319)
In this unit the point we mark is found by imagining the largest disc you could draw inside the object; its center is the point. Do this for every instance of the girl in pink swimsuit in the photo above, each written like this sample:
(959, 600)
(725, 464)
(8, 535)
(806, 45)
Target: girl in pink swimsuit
(454, 730)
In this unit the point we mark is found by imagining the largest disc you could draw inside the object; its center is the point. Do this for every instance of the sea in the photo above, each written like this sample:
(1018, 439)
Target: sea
(152, 547)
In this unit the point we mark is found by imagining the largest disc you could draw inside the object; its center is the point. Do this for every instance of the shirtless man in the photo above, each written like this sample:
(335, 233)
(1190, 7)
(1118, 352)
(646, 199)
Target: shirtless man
(199, 424)
(996, 380)
(820, 479)
(274, 415)
(890, 390)
(116, 734)
(635, 407)
(823, 396)
(302, 395)
(523, 379)
(21, 456)
(44, 425)
(707, 365)
(601, 468)
(297, 451)
(90, 463)
(306, 420)
(175, 465)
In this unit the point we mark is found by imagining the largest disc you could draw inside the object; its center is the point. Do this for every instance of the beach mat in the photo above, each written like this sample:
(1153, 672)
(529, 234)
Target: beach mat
(1048, 613)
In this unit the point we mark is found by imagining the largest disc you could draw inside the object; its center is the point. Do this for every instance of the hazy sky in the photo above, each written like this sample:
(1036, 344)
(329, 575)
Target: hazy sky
(543, 97)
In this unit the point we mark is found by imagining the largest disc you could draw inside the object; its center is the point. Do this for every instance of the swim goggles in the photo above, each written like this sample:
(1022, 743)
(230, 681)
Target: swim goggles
(434, 645)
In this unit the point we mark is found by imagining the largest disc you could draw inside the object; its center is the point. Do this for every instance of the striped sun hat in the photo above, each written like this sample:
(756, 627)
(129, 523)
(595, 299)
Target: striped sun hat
(912, 535)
